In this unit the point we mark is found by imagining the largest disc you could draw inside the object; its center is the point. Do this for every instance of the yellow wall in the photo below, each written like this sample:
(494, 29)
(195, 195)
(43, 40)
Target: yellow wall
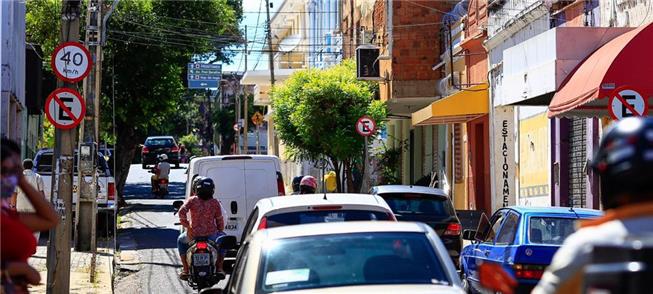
(534, 141)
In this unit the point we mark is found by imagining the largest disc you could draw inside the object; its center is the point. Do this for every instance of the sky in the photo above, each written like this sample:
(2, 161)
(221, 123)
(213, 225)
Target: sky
(256, 33)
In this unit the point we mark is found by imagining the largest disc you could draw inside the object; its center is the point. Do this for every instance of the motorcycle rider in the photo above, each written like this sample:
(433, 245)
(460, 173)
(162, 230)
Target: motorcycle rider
(308, 185)
(624, 163)
(161, 171)
(201, 216)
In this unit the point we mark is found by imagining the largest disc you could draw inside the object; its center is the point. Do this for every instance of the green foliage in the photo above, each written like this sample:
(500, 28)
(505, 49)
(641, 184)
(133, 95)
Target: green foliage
(315, 112)
(191, 142)
(389, 163)
(47, 139)
(43, 25)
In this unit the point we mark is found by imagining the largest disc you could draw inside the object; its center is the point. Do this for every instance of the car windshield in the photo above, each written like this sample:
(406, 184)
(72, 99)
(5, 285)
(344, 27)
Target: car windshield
(166, 142)
(44, 164)
(324, 216)
(550, 230)
(349, 259)
(411, 203)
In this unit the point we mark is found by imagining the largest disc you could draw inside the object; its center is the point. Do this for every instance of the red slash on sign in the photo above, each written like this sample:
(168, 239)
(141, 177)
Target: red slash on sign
(625, 102)
(65, 108)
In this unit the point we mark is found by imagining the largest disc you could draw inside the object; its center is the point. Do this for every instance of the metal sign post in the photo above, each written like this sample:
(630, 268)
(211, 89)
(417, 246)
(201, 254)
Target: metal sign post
(257, 119)
(365, 126)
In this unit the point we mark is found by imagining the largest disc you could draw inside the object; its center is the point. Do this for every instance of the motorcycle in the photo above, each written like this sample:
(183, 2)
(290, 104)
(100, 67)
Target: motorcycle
(202, 257)
(160, 187)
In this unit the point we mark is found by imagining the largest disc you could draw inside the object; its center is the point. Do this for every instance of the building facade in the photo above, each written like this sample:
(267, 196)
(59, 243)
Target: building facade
(13, 112)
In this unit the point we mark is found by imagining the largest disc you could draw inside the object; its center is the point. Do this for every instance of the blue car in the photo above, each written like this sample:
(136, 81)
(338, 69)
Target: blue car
(522, 239)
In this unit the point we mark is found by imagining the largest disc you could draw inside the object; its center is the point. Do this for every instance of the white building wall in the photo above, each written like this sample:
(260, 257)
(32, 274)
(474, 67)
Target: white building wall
(625, 13)
(12, 59)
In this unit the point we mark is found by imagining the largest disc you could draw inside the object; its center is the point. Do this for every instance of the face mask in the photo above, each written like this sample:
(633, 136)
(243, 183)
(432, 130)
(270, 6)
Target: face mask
(9, 186)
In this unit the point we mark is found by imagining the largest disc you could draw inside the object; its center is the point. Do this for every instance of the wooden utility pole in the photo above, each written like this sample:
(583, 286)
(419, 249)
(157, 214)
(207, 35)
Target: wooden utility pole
(85, 238)
(270, 52)
(242, 93)
(58, 258)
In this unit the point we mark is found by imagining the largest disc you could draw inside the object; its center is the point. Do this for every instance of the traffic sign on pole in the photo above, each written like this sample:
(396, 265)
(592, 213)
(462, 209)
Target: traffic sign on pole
(365, 126)
(625, 102)
(71, 62)
(65, 108)
(204, 75)
(257, 118)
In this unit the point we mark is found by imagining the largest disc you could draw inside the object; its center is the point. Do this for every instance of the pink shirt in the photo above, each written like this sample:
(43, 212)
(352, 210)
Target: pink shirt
(205, 216)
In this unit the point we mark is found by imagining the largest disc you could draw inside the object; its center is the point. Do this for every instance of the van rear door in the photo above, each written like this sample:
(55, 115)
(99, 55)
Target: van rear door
(229, 178)
(261, 180)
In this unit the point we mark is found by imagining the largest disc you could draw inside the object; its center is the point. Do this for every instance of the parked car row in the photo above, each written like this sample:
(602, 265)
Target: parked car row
(404, 239)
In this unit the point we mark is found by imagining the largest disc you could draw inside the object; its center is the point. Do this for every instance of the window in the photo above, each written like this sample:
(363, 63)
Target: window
(324, 216)
(495, 225)
(507, 234)
(249, 225)
(550, 230)
(166, 142)
(319, 261)
(239, 268)
(418, 204)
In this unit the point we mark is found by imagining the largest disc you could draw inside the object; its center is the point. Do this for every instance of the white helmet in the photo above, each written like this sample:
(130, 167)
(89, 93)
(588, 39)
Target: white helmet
(163, 157)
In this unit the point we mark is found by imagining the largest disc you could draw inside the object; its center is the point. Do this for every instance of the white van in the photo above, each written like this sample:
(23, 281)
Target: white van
(240, 181)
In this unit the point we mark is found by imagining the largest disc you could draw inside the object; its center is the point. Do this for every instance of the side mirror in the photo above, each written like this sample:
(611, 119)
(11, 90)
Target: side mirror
(177, 204)
(228, 242)
(469, 235)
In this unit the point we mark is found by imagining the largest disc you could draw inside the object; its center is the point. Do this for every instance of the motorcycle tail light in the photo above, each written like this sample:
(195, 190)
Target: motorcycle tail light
(202, 245)
(111, 191)
(453, 229)
(263, 224)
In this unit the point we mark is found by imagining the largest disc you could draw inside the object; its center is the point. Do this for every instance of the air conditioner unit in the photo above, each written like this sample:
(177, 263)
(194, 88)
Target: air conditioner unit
(367, 62)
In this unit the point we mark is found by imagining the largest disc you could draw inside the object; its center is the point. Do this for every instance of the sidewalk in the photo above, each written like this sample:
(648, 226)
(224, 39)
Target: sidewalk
(80, 263)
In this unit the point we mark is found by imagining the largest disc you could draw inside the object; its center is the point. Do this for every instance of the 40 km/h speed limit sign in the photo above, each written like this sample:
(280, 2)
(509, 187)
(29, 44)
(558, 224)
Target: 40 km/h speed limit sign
(71, 62)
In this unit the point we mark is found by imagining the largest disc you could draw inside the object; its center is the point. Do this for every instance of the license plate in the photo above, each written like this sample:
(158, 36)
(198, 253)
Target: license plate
(231, 226)
(201, 259)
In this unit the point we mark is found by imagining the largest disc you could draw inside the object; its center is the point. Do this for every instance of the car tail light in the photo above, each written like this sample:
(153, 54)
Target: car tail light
(263, 224)
(111, 191)
(202, 245)
(453, 229)
(326, 207)
(281, 189)
(528, 271)
(145, 150)
(175, 149)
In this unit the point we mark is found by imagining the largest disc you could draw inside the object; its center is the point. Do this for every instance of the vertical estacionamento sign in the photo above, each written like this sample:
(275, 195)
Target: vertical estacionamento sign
(505, 193)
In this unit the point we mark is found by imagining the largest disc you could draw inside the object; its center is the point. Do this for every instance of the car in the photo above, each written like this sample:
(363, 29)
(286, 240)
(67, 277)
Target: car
(522, 239)
(428, 205)
(157, 145)
(240, 181)
(106, 183)
(315, 208)
(344, 257)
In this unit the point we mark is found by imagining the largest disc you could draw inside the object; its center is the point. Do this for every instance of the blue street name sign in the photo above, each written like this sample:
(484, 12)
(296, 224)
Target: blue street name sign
(204, 75)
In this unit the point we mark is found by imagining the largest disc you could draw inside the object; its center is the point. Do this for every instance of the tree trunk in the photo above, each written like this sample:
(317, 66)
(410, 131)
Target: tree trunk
(350, 176)
(125, 150)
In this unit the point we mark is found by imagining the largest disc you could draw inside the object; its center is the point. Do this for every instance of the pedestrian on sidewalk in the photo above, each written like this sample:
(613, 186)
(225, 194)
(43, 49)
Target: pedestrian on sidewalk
(20, 200)
(17, 243)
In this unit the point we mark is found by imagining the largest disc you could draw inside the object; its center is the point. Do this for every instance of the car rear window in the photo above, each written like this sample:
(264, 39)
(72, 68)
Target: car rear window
(44, 164)
(324, 216)
(550, 230)
(420, 204)
(160, 142)
(311, 262)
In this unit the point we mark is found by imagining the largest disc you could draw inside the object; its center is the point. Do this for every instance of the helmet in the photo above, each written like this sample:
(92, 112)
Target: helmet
(204, 188)
(163, 157)
(308, 185)
(625, 162)
(295, 183)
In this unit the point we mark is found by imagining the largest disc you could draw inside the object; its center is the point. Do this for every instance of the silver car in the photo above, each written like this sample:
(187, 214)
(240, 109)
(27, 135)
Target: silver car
(345, 257)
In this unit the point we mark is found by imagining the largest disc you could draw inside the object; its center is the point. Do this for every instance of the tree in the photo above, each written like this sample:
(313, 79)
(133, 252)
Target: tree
(315, 112)
(149, 44)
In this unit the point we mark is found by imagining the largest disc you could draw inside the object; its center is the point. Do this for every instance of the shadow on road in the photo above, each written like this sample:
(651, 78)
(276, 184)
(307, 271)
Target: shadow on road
(144, 191)
(156, 207)
(153, 238)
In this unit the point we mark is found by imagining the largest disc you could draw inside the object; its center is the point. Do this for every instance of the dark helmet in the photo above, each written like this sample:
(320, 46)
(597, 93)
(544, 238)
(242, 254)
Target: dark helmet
(295, 183)
(204, 188)
(625, 162)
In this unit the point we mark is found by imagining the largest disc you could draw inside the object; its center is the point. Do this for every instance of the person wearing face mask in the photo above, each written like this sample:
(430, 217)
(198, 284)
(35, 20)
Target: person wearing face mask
(17, 243)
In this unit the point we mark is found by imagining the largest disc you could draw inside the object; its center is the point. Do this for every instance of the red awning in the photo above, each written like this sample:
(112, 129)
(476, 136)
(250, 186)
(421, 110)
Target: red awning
(626, 61)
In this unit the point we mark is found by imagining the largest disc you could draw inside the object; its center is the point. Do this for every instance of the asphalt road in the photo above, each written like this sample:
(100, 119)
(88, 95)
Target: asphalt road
(150, 228)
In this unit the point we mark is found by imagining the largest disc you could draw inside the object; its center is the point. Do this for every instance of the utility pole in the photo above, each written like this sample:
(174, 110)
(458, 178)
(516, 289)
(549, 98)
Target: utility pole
(210, 122)
(270, 53)
(85, 238)
(245, 112)
(58, 258)
(237, 129)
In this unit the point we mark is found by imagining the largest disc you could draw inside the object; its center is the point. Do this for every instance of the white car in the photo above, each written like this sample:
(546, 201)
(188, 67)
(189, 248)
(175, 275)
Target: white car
(355, 257)
(316, 208)
(240, 181)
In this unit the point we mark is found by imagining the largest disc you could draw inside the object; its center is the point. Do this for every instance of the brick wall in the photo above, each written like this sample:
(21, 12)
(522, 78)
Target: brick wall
(416, 44)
